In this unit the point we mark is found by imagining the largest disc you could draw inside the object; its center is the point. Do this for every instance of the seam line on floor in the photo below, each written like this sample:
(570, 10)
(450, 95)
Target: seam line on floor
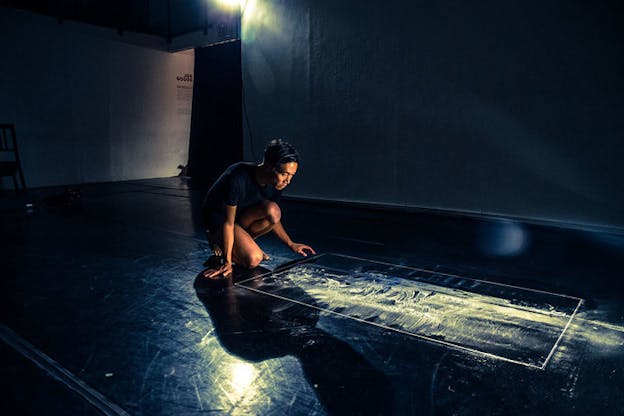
(59, 373)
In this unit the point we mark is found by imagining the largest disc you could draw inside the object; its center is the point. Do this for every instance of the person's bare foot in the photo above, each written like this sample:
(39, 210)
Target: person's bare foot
(216, 250)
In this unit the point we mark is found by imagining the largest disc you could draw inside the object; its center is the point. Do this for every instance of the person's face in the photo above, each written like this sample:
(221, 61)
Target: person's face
(283, 174)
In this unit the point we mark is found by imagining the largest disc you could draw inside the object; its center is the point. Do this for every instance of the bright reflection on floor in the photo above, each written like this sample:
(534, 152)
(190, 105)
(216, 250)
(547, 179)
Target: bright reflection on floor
(509, 323)
(242, 375)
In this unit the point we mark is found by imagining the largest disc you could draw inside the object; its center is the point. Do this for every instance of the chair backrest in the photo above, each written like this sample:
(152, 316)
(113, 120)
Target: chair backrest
(8, 143)
(10, 164)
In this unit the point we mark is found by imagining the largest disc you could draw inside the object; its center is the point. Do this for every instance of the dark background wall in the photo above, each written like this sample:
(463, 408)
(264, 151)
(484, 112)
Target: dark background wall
(510, 108)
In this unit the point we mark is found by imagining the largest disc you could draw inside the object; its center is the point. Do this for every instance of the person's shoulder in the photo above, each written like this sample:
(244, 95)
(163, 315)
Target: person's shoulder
(241, 171)
(232, 169)
(241, 168)
(245, 168)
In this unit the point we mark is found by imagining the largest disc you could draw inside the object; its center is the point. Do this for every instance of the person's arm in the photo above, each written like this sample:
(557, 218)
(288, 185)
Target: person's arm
(299, 248)
(228, 243)
(228, 234)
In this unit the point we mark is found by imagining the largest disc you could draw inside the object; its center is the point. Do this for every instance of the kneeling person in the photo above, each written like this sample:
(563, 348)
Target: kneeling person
(242, 205)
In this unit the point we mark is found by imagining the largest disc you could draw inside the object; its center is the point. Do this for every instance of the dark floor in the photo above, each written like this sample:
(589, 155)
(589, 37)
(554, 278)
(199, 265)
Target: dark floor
(102, 312)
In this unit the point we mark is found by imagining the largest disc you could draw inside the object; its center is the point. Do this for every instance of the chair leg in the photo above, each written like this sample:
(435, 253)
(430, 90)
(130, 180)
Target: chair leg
(21, 173)
(15, 183)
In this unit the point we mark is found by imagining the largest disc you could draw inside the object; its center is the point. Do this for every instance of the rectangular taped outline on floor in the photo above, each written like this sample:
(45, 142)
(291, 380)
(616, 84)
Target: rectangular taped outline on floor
(426, 338)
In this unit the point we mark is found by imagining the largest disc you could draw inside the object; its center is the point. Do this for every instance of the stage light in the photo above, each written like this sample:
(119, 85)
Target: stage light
(245, 7)
(231, 3)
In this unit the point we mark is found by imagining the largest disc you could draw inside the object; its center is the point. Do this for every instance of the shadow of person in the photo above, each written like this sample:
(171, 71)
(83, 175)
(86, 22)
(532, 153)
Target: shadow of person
(257, 327)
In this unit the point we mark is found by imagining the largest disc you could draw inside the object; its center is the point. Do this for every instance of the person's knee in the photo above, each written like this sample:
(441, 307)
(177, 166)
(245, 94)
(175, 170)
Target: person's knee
(274, 213)
(252, 259)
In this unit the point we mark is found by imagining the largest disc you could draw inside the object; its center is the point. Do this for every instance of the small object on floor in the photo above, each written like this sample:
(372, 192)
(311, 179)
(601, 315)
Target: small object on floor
(31, 207)
(69, 198)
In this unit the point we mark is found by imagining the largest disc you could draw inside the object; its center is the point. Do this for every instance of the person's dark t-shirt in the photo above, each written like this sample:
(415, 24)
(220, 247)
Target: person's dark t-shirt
(236, 186)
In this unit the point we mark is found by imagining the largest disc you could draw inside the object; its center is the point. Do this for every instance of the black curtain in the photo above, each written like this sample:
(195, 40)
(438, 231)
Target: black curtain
(216, 138)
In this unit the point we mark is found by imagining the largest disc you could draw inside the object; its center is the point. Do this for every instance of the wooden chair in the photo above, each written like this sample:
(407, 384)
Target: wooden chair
(10, 165)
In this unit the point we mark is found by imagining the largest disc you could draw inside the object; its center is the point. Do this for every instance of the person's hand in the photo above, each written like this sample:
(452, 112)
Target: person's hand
(224, 271)
(302, 249)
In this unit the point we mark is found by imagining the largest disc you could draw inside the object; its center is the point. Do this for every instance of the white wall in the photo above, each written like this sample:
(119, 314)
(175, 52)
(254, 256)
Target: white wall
(508, 108)
(87, 105)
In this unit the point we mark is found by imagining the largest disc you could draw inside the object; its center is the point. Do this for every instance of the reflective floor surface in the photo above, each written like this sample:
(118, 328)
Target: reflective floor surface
(104, 312)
